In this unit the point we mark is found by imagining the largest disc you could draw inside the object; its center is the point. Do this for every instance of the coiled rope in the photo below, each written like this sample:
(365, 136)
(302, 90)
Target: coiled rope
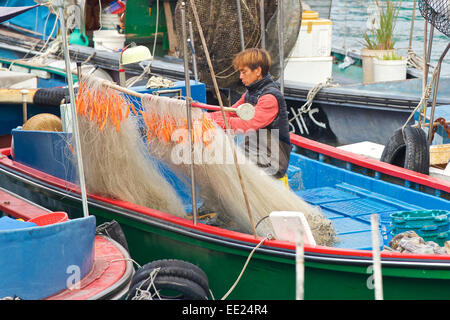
(305, 108)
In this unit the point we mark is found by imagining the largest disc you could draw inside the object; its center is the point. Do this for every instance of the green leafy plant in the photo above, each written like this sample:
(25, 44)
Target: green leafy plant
(392, 56)
(381, 38)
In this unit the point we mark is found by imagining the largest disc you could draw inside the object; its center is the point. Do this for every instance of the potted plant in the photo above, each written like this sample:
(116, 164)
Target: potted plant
(389, 67)
(381, 40)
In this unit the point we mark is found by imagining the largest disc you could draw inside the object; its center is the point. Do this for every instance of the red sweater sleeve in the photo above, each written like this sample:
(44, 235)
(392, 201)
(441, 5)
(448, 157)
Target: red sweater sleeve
(266, 110)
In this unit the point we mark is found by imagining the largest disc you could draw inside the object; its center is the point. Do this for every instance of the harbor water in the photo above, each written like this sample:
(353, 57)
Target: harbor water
(350, 23)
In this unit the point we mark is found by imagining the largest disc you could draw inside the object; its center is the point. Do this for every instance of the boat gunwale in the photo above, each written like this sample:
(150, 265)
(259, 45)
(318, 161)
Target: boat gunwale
(379, 166)
(216, 234)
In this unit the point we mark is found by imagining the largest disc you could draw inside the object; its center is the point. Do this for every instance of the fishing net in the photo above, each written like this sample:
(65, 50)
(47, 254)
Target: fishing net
(114, 157)
(219, 21)
(437, 12)
(216, 175)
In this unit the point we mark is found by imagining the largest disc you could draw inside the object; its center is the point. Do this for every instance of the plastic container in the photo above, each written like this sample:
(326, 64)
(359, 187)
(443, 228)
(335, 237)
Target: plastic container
(108, 40)
(431, 225)
(109, 21)
(314, 39)
(76, 37)
(50, 218)
(389, 70)
(368, 56)
(311, 70)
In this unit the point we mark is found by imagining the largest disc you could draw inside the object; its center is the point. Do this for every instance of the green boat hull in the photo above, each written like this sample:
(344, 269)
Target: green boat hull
(270, 273)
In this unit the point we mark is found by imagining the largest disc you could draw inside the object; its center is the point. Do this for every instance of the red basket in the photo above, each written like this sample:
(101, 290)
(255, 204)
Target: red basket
(50, 218)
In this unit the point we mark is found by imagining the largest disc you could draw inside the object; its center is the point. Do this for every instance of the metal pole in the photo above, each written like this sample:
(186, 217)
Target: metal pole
(436, 86)
(241, 30)
(300, 266)
(24, 93)
(194, 55)
(281, 42)
(378, 282)
(60, 4)
(263, 24)
(188, 109)
(423, 112)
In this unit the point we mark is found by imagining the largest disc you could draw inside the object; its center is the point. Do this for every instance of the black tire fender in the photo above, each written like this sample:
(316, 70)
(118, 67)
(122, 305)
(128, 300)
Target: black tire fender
(410, 152)
(172, 263)
(173, 272)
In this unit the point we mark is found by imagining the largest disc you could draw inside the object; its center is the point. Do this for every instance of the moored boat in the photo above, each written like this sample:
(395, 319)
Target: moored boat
(346, 197)
(46, 256)
(371, 110)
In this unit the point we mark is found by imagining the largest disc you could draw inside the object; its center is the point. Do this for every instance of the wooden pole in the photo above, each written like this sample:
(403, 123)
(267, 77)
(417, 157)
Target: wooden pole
(194, 55)
(263, 24)
(241, 30)
(281, 42)
(170, 29)
(188, 112)
(219, 97)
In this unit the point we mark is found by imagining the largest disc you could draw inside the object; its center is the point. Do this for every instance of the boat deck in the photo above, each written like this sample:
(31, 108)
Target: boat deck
(349, 208)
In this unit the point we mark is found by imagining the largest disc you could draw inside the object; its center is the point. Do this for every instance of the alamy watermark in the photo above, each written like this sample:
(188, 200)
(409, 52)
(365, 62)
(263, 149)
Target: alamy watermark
(261, 147)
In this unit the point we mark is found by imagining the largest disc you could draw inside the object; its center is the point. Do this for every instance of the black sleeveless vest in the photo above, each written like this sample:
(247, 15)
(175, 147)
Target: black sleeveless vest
(267, 86)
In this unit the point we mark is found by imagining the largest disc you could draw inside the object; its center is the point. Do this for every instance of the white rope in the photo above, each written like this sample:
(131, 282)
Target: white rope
(144, 294)
(425, 96)
(311, 95)
(245, 266)
(414, 60)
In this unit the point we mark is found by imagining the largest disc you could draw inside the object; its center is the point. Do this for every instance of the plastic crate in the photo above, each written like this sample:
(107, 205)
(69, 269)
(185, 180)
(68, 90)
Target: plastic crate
(431, 225)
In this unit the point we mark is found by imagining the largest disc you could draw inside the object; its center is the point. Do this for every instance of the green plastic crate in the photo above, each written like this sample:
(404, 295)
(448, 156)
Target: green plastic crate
(431, 225)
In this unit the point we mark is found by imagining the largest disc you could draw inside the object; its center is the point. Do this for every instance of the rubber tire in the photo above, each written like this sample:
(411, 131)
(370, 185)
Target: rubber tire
(173, 272)
(187, 289)
(51, 96)
(411, 153)
(164, 263)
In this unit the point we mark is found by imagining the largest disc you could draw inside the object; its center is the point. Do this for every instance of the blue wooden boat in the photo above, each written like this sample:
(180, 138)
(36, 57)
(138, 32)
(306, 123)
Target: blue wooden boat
(45, 259)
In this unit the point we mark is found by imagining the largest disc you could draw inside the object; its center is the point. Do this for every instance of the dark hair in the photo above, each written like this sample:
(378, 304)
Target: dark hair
(253, 58)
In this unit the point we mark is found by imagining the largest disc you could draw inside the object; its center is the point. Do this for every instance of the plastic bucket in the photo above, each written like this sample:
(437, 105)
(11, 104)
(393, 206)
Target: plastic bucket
(50, 218)
(368, 56)
(389, 70)
(109, 21)
(108, 40)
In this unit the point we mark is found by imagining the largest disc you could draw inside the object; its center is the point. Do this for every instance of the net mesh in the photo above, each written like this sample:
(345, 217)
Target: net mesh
(219, 21)
(437, 12)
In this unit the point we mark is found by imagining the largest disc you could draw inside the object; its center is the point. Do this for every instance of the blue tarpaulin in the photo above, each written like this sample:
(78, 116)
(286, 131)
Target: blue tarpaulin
(26, 14)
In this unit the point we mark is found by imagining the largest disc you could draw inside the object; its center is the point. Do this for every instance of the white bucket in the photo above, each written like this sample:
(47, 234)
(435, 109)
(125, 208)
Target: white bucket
(109, 21)
(108, 40)
(389, 70)
(368, 56)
